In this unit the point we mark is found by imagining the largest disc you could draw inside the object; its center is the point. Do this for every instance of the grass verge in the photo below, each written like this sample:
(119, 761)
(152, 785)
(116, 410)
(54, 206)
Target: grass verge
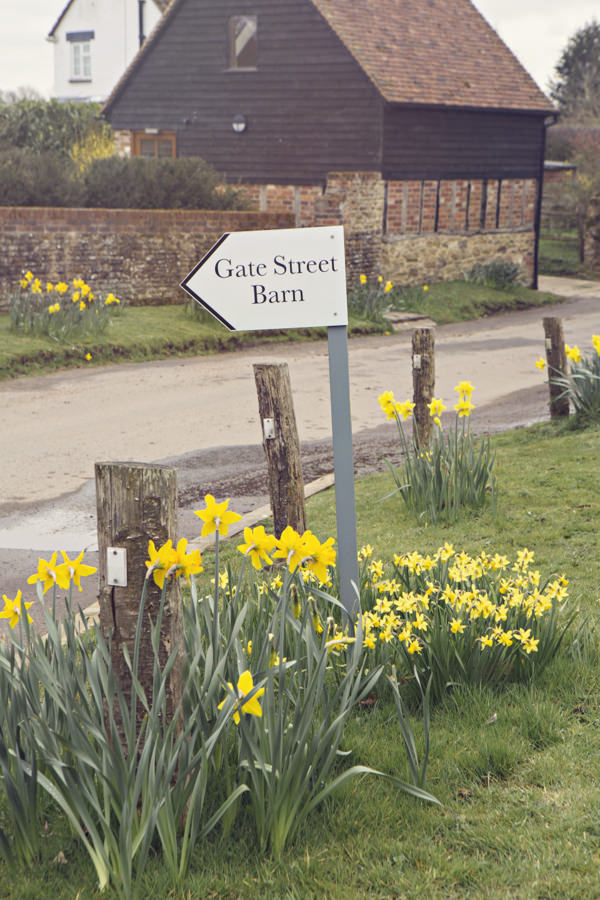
(514, 770)
(559, 255)
(154, 332)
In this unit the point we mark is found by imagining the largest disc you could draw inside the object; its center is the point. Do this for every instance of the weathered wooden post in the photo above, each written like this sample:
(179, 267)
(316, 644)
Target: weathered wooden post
(282, 447)
(423, 366)
(557, 366)
(137, 503)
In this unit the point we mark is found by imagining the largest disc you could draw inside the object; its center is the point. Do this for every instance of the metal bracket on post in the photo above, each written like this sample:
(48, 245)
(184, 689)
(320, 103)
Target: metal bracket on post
(116, 567)
(269, 429)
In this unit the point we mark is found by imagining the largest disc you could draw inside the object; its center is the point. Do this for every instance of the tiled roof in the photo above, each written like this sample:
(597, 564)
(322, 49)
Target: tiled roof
(440, 52)
(432, 52)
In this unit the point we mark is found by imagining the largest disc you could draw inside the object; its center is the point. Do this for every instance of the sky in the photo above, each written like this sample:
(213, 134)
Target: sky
(535, 30)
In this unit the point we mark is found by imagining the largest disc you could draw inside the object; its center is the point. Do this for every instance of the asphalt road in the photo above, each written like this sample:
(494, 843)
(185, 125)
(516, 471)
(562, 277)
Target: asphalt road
(201, 415)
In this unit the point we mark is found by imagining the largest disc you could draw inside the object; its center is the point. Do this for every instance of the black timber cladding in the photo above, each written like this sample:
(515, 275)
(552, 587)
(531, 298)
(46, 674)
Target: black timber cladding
(309, 107)
(437, 143)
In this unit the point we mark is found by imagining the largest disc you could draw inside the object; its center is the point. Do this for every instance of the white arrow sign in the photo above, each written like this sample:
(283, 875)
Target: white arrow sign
(285, 278)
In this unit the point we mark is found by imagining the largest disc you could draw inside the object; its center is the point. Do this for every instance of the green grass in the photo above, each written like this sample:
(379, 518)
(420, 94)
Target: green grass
(559, 255)
(459, 301)
(516, 770)
(142, 333)
(155, 332)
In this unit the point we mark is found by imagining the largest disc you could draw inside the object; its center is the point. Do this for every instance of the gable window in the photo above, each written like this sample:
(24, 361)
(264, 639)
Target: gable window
(243, 46)
(153, 145)
(81, 55)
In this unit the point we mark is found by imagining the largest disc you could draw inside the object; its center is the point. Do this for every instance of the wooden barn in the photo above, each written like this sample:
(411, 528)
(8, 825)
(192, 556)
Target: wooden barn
(409, 121)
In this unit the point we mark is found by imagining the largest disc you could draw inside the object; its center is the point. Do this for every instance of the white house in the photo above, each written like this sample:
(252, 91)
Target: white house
(94, 42)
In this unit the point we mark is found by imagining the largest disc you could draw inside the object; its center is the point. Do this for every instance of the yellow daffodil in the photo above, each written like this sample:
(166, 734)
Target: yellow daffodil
(82, 306)
(425, 287)
(596, 343)
(319, 556)
(160, 561)
(531, 645)
(246, 697)
(36, 286)
(541, 364)
(464, 407)
(465, 388)
(28, 276)
(186, 563)
(405, 409)
(362, 279)
(435, 407)
(77, 569)
(505, 638)
(49, 287)
(76, 296)
(386, 402)
(573, 353)
(88, 356)
(457, 626)
(61, 287)
(388, 287)
(49, 574)
(216, 516)
(13, 610)
(316, 619)
(289, 546)
(258, 544)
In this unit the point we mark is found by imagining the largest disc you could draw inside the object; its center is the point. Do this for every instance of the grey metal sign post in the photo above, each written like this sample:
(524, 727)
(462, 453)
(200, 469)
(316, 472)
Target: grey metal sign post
(293, 278)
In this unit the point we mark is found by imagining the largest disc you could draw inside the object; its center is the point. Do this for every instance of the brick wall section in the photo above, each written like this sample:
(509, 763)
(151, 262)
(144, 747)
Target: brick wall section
(122, 143)
(406, 231)
(139, 255)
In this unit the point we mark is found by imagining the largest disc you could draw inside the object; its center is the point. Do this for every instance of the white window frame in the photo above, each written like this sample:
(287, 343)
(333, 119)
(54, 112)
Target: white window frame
(81, 60)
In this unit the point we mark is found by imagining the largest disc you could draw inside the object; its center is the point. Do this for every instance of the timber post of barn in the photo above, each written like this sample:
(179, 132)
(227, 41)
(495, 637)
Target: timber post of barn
(556, 358)
(423, 369)
(282, 446)
(137, 503)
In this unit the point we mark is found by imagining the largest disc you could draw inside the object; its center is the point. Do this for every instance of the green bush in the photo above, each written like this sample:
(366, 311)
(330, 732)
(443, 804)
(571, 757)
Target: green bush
(47, 126)
(498, 274)
(28, 178)
(118, 182)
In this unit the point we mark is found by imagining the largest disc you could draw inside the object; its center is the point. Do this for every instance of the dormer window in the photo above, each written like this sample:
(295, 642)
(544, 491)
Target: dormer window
(243, 46)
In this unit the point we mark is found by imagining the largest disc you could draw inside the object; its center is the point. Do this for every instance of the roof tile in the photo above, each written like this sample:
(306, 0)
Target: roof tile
(439, 52)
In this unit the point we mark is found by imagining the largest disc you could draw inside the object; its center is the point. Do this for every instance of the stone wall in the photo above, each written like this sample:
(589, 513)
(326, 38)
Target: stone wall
(411, 232)
(139, 255)
(445, 257)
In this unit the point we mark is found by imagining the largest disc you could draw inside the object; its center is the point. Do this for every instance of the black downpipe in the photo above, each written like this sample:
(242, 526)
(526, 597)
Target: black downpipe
(142, 36)
(538, 209)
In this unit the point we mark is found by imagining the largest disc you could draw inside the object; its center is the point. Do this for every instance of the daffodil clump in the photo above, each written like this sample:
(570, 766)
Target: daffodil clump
(581, 384)
(370, 298)
(50, 574)
(60, 309)
(462, 619)
(455, 471)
